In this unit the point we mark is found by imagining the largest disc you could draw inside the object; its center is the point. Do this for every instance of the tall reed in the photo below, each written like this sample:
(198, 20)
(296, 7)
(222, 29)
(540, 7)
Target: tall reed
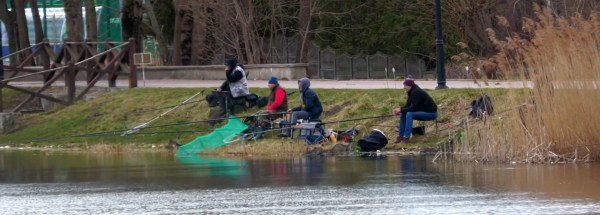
(557, 120)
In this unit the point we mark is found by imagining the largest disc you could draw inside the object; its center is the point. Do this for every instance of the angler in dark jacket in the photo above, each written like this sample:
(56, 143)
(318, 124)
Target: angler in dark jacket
(310, 107)
(419, 106)
(235, 85)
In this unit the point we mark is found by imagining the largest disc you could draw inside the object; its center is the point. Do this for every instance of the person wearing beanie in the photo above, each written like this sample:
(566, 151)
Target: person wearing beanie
(278, 101)
(419, 106)
(276, 105)
(235, 84)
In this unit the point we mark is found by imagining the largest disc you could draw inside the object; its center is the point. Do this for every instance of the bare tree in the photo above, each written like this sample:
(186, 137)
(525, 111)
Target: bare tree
(74, 18)
(132, 21)
(242, 28)
(90, 19)
(162, 42)
(10, 22)
(19, 7)
(177, 33)
(37, 21)
(304, 29)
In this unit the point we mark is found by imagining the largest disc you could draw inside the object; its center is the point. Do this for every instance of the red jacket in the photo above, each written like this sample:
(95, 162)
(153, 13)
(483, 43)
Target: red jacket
(279, 96)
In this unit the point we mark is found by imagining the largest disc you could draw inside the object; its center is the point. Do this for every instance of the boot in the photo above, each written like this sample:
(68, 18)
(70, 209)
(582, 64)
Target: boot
(402, 140)
(257, 133)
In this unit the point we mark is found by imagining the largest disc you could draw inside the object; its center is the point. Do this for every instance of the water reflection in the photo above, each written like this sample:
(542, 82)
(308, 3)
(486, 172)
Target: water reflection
(161, 183)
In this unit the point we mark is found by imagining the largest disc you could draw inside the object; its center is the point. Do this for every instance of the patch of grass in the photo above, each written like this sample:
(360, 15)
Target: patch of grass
(107, 113)
(12, 98)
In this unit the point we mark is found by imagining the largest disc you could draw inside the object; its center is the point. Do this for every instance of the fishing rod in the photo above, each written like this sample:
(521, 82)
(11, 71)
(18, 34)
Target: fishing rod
(357, 119)
(101, 134)
(139, 111)
(114, 132)
(136, 129)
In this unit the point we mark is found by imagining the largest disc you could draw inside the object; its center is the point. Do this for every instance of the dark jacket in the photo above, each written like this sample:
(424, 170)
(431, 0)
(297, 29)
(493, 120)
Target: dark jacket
(230, 75)
(310, 101)
(419, 101)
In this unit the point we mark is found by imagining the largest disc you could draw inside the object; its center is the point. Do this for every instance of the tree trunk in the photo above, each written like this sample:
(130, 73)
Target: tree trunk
(164, 49)
(90, 19)
(198, 36)
(37, 21)
(177, 34)
(10, 23)
(74, 20)
(19, 7)
(132, 21)
(246, 23)
(302, 52)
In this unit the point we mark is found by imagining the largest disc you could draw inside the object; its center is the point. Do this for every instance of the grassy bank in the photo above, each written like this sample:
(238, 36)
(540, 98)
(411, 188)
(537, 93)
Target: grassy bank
(107, 113)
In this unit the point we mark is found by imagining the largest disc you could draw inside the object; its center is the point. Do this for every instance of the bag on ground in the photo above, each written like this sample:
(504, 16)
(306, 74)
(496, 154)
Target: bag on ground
(374, 141)
(482, 107)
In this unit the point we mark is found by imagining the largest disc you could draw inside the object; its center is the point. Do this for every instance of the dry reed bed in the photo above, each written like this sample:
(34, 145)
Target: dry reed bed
(557, 120)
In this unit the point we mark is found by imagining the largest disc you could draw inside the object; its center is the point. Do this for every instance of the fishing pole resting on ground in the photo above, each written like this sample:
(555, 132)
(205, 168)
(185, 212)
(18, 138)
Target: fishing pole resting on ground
(136, 129)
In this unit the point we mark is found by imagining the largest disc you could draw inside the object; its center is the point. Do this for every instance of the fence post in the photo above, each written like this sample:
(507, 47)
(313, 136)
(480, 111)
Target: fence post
(368, 67)
(70, 76)
(320, 74)
(351, 67)
(387, 67)
(405, 67)
(421, 69)
(334, 66)
(132, 69)
(287, 54)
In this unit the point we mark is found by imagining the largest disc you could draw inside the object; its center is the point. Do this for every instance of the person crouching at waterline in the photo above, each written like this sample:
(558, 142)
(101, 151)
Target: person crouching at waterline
(419, 106)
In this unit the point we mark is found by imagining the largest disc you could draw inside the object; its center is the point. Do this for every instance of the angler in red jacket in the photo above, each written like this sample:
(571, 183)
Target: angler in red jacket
(278, 104)
(277, 98)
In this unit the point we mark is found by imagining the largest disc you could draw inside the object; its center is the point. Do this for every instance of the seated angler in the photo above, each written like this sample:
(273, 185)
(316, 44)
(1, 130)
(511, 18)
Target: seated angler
(235, 85)
(419, 106)
(310, 107)
(278, 103)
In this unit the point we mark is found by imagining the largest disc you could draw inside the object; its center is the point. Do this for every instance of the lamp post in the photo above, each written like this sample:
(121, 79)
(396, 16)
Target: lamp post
(441, 69)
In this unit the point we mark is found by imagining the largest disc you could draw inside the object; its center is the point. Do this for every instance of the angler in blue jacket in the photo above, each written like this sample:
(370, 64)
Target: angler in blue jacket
(310, 107)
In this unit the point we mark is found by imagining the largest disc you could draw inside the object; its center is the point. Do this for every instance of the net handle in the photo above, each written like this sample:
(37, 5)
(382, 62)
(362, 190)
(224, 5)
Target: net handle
(232, 138)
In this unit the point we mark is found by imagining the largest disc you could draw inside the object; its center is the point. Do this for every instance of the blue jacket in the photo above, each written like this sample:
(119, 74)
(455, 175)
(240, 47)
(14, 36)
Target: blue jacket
(310, 101)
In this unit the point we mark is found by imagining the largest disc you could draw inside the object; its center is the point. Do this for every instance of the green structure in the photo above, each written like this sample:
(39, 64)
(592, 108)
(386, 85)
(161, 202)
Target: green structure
(213, 140)
(108, 13)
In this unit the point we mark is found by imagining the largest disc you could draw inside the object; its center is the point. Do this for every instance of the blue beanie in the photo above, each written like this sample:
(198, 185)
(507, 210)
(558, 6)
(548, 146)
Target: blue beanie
(273, 80)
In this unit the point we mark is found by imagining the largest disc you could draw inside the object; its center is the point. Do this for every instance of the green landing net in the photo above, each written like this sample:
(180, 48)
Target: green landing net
(213, 140)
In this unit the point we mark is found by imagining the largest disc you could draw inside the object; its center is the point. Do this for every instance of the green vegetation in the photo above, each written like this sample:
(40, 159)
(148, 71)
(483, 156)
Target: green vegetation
(107, 112)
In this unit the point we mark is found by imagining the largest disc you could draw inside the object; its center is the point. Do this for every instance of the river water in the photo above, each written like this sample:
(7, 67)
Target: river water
(42, 182)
